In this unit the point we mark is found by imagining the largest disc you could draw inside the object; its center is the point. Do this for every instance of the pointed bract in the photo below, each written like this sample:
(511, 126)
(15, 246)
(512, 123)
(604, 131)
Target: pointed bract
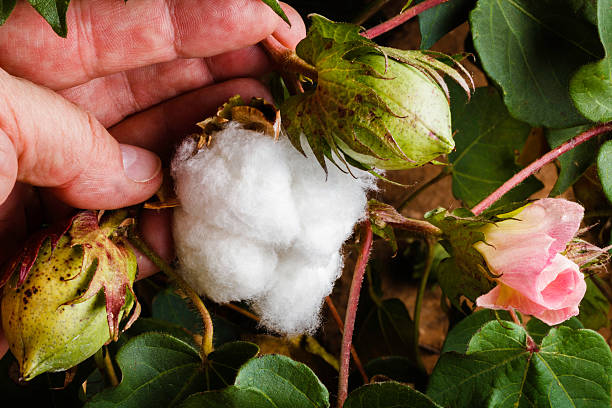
(382, 107)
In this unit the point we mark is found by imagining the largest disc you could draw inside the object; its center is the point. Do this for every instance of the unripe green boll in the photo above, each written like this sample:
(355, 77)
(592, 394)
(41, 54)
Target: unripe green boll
(50, 321)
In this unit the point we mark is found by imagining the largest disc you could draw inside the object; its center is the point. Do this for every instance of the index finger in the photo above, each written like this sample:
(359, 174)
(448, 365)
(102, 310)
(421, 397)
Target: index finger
(105, 37)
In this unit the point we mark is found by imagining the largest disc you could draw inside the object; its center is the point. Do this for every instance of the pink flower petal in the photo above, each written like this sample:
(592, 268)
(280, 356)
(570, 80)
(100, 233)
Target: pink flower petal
(556, 217)
(567, 286)
(519, 259)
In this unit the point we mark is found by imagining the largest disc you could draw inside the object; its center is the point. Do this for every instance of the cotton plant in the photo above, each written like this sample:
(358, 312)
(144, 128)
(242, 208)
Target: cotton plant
(269, 202)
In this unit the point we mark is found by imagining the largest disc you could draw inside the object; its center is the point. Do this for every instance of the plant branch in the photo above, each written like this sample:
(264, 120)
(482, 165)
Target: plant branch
(139, 244)
(286, 60)
(401, 18)
(412, 195)
(356, 359)
(418, 303)
(351, 311)
(243, 312)
(109, 369)
(539, 163)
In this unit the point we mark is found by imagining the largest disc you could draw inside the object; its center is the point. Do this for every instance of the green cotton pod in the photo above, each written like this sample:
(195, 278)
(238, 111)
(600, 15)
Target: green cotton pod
(377, 107)
(48, 324)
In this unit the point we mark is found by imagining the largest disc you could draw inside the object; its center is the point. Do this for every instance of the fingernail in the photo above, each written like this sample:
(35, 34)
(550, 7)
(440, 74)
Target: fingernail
(139, 164)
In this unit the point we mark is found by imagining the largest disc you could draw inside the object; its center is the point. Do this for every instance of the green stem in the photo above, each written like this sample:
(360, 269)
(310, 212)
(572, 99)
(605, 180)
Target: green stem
(418, 304)
(286, 60)
(109, 369)
(207, 342)
(412, 195)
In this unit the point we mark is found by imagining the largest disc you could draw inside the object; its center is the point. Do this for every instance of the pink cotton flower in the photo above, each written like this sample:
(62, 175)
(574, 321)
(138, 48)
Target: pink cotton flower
(525, 250)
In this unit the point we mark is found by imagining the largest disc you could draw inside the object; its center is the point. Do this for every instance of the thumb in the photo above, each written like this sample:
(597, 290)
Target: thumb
(47, 141)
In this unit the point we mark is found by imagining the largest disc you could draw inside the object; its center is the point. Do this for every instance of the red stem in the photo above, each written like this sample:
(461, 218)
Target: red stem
(401, 18)
(519, 177)
(356, 359)
(351, 312)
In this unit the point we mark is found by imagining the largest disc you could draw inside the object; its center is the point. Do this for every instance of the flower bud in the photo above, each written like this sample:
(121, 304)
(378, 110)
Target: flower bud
(53, 313)
(382, 107)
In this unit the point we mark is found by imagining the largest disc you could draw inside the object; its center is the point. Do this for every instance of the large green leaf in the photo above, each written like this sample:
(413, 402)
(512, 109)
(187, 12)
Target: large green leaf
(458, 338)
(531, 49)
(270, 381)
(574, 163)
(488, 141)
(284, 381)
(233, 397)
(386, 329)
(537, 329)
(591, 86)
(160, 370)
(604, 168)
(6, 8)
(273, 4)
(571, 368)
(54, 11)
(437, 21)
(169, 306)
(172, 308)
(388, 395)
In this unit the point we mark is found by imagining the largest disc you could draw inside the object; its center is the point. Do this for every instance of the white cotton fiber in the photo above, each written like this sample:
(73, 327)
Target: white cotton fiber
(259, 222)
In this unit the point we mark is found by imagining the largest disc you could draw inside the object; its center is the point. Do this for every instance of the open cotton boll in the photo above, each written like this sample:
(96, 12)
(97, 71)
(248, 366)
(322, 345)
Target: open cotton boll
(237, 267)
(261, 181)
(293, 304)
(260, 222)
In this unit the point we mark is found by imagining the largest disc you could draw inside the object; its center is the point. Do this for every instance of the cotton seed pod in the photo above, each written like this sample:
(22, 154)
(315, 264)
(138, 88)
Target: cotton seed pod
(382, 107)
(54, 315)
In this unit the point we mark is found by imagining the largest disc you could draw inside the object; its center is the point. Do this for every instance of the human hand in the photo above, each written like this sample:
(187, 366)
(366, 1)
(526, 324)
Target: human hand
(90, 119)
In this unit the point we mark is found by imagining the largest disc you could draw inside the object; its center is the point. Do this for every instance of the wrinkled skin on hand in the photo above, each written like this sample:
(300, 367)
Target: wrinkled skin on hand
(117, 78)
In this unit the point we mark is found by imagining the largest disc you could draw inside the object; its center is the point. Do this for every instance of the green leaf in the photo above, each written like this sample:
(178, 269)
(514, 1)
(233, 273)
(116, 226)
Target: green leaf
(537, 329)
(54, 11)
(172, 308)
(169, 306)
(574, 163)
(531, 49)
(145, 325)
(604, 168)
(270, 381)
(571, 368)
(594, 307)
(6, 8)
(438, 21)
(465, 273)
(157, 369)
(488, 141)
(285, 382)
(388, 395)
(232, 397)
(459, 336)
(591, 86)
(273, 4)
(386, 329)
(161, 370)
